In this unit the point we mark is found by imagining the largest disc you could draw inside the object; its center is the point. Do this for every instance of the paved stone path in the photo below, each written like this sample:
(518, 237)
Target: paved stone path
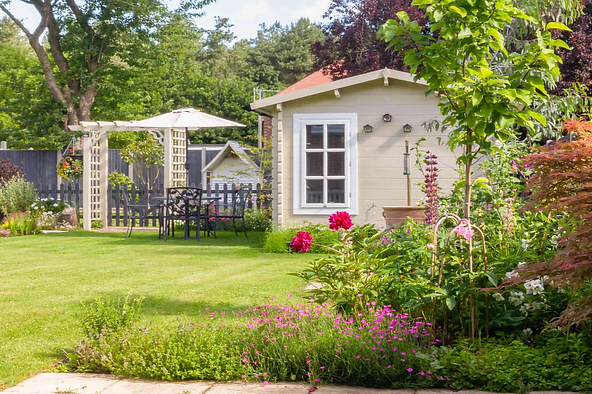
(71, 383)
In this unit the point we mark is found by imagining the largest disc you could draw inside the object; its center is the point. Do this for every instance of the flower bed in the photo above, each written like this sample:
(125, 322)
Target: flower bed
(301, 342)
(310, 342)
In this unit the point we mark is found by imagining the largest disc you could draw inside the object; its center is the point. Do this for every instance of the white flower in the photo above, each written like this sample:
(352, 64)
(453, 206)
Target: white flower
(36, 208)
(527, 331)
(535, 305)
(512, 274)
(524, 309)
(525, 243)
(554, 240)
(522, 264)
(516, 297)
(55, 205)
(498, 297)
(534, 287)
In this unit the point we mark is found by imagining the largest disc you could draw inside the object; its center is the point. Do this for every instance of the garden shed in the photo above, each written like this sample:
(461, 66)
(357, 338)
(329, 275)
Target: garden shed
(339, 145)
(232, 165)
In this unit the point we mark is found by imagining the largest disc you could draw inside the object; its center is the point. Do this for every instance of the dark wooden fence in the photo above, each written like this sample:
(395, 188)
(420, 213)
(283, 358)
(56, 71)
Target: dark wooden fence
(71, 193)
(40, 166)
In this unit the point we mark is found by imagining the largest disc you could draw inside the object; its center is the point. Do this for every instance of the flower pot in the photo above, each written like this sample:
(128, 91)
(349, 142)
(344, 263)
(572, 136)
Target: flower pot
(395, 216)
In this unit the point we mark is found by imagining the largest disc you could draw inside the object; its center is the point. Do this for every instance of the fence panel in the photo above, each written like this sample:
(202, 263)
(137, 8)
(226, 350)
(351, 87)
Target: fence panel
(39, 165)
(71, 193)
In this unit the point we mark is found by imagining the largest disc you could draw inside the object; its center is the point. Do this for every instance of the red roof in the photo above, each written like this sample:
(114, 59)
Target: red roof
(314, 79)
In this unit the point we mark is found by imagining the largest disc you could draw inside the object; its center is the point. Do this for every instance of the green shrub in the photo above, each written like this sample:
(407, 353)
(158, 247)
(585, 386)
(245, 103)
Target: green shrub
(278, 241)
(555, 364)
(257, 220)
(103, 316)
(17, 195)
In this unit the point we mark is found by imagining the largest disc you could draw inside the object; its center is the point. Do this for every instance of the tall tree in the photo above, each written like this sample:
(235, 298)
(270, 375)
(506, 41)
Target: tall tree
(278, 56)
(350, 46)
(29, 118)
(577, 62)
(10, 34)
(83, 38)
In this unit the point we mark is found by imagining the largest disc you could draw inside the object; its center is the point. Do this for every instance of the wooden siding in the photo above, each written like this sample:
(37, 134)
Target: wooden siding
(380, 154)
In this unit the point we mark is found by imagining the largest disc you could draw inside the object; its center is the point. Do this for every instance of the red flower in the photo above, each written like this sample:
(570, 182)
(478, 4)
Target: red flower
(340, 220)
(301, 242)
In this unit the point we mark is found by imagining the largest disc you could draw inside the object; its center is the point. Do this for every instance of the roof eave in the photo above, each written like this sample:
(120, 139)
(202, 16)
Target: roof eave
(263, 104)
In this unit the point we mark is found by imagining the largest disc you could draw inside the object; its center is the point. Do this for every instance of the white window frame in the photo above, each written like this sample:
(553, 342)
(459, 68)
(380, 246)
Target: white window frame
(351, 157)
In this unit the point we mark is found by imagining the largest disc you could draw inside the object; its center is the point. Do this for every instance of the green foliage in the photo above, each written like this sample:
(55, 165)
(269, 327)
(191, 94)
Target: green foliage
(485, 88)
(107, 316)
(20, 223)
(257, 220)
(29, 117)
(17, 195)
(278, 240)
(559, 363)
(144, 153)
(118, 179)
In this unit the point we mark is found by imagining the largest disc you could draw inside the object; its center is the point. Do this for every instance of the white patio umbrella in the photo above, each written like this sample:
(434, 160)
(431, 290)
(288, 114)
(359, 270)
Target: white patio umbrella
(188, 119)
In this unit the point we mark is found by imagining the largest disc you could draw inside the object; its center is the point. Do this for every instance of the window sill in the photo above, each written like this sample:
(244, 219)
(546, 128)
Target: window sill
(323, 211)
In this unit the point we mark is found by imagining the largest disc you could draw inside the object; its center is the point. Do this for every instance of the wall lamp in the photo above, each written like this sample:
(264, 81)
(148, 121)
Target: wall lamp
(368, 128)
(407, 128)
(387, 117)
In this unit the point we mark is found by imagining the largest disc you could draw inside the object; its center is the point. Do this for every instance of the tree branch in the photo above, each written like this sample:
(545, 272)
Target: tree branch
(81, 18)
(16, 21)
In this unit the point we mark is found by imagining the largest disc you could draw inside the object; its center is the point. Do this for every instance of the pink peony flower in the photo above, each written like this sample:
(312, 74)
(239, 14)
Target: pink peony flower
(340, 220)
(301, 242)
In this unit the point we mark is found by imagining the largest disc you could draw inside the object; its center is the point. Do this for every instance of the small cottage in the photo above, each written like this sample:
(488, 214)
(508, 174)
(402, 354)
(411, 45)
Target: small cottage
(339, 145)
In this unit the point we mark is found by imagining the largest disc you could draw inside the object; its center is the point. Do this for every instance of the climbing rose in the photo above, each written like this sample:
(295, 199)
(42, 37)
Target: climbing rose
(301, 242)
(340, 220)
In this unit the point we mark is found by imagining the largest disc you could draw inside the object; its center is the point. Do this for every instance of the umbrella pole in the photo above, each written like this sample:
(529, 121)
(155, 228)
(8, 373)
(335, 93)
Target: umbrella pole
(187, 156)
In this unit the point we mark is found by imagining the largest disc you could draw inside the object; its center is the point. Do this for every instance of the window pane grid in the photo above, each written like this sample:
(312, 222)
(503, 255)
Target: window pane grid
(334, 174)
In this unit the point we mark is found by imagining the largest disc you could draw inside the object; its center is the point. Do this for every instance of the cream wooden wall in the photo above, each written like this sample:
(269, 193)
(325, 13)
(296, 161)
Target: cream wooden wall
(380, 154)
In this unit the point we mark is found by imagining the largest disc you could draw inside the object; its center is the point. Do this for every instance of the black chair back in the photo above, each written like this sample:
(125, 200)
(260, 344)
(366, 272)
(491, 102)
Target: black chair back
(184, 202)
(240, 198)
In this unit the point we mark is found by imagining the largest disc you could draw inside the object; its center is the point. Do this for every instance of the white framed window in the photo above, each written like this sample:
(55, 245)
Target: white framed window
(325, 163)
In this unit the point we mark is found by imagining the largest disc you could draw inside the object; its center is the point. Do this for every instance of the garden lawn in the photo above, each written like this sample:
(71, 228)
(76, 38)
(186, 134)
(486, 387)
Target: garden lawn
(45, 278)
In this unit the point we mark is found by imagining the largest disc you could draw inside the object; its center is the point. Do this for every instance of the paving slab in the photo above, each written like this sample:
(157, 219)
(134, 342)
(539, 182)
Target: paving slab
(258, 388)
(61, 383)
(73, 383)
(126, 386)
(360, 390)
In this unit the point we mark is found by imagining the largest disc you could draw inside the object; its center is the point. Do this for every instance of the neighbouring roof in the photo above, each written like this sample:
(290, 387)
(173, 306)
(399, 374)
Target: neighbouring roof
(227, 150)
(314, 79)
(316, 84)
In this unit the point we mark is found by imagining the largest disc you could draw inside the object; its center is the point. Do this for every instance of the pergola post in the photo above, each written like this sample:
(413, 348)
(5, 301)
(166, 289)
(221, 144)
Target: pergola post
(168, 158)
(104, 178)
(86, 182)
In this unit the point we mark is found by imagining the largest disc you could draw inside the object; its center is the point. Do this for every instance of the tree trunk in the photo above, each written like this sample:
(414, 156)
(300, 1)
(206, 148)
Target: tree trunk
(76, 100)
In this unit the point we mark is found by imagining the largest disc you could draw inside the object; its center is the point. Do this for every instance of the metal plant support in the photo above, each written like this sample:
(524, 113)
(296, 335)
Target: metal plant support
(458, 222)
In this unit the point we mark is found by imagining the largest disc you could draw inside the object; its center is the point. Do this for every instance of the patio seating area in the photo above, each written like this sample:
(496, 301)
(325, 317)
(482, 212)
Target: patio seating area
(190, 208)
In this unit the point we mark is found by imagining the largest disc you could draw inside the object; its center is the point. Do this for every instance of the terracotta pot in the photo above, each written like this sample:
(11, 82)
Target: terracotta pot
(395, 216)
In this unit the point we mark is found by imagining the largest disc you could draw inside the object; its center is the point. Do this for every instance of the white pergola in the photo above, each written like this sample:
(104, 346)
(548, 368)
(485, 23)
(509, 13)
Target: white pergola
(95, 184)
